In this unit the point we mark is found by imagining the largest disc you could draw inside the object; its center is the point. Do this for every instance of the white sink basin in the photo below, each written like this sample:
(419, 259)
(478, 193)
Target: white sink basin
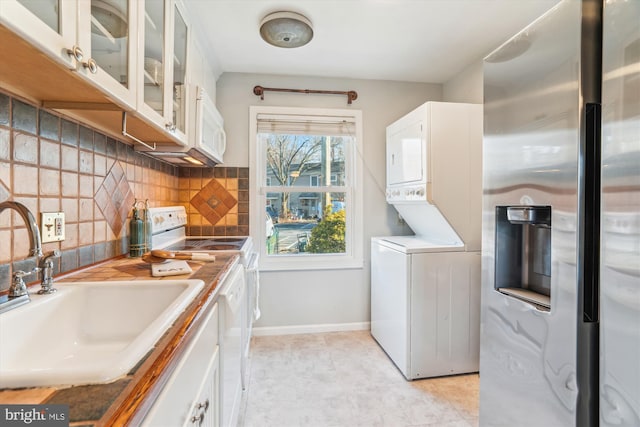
(88, 332)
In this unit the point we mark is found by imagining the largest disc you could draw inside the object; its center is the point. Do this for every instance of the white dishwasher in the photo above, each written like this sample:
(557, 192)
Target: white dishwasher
(425, 305)
(233, 305)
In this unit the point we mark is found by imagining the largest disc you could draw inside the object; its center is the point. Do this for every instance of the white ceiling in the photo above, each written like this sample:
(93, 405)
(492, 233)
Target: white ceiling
(405, 40)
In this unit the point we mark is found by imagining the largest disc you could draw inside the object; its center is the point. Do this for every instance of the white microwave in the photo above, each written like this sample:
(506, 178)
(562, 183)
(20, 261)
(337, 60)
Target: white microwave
(210, 137)
(207, 142)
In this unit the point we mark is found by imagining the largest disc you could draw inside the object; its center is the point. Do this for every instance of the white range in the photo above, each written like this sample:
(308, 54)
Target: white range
(240, 302)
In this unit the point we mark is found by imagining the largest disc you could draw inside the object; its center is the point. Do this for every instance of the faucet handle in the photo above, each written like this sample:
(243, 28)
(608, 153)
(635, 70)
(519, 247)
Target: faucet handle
(18, 287)
(21, 273)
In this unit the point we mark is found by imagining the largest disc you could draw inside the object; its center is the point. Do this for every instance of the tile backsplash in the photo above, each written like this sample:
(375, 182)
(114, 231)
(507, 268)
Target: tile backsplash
(217, 200)
(51, 163)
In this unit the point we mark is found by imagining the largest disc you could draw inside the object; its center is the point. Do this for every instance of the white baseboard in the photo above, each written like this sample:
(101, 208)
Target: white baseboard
(311, 329)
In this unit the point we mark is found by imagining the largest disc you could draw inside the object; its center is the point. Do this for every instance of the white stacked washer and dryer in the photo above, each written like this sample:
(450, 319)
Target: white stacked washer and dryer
(425, 289)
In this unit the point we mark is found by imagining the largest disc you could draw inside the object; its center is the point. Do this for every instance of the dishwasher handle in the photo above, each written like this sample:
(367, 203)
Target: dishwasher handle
(234, 289)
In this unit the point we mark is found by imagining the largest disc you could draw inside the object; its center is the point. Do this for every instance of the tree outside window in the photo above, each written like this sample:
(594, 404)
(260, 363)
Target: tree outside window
(298, 161)
(309, 176)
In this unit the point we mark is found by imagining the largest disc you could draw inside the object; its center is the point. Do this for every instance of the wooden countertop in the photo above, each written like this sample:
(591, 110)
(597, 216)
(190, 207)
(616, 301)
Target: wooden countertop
(127, 400)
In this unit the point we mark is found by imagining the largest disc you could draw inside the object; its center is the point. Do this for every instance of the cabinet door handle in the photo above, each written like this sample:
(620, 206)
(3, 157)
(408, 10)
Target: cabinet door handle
(76, 52)
(198, 419)
(204, 405)
(92, 65)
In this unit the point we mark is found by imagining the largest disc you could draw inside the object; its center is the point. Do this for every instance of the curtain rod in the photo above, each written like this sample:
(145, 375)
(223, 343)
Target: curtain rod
(352, 95)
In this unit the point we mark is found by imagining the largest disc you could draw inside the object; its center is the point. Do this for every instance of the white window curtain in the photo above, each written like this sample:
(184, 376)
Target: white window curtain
(300, 124)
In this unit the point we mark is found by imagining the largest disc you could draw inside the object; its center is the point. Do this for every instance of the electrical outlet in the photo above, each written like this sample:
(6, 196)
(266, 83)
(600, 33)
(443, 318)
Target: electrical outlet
(52, 226)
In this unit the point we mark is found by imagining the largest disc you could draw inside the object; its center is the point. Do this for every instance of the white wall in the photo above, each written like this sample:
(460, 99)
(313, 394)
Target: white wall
(311, 300)
(466, 86)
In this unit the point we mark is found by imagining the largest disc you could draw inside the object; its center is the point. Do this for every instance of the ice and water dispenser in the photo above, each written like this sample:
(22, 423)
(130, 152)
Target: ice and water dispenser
(523, 253)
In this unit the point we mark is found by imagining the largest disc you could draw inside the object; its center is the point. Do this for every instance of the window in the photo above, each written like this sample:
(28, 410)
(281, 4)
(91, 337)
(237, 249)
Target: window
(307, 168)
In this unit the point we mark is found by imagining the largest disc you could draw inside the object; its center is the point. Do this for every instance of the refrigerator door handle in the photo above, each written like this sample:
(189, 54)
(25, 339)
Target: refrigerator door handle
(591, 231)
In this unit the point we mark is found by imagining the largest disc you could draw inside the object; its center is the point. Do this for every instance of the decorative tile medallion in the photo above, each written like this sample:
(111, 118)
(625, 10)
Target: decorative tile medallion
(213, 201)
(115, 198)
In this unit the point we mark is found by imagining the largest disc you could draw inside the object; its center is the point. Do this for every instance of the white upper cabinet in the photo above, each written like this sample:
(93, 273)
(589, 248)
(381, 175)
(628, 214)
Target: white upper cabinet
(95, 37)
(107, 34)
(154, 18)
(180, 47)
(108, 56)
(48, 24)
(162, 65)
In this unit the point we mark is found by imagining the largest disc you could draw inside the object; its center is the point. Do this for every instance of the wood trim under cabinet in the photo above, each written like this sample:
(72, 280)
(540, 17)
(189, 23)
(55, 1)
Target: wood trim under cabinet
(31, 74)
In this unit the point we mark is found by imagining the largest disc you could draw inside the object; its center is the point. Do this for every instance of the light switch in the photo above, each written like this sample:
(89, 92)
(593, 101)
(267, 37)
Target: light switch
(52, 226)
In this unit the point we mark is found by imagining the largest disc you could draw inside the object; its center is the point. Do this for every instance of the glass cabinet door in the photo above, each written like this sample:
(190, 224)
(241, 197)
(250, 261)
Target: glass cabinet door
(107, 34)
(163, 69)
(154, 54)
(179, 71)
(48, 11)
(48, 24)
(110, 37)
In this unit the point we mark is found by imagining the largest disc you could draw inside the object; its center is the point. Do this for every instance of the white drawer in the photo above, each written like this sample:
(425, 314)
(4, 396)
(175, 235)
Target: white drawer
(173, 405)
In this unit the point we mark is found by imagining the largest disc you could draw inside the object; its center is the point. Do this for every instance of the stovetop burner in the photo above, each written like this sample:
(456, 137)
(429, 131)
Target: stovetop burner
(237, 240)
(210, 247)
(209, 244)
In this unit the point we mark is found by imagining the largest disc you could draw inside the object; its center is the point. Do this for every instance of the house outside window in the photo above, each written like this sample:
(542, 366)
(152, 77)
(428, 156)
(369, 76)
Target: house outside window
(307, 168)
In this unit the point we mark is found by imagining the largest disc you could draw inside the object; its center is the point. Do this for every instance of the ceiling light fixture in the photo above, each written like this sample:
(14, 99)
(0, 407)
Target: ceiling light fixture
(286, 29)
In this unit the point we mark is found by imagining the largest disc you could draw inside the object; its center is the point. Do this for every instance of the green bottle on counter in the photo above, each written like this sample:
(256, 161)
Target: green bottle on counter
(147, 226)
(136, 234)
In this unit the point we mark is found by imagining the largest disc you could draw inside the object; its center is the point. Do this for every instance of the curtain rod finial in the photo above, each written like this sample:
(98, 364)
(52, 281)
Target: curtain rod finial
(259, 91)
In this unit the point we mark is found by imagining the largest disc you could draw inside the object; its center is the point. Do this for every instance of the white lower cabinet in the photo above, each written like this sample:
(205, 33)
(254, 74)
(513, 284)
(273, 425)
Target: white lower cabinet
(207, 405)
(191, 395)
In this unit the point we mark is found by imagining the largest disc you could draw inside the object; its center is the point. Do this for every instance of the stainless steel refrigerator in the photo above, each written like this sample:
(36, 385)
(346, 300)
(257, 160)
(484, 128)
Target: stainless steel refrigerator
(560, 318)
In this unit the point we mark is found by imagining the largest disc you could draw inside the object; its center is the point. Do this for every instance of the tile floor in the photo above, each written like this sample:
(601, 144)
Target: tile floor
(344, 379)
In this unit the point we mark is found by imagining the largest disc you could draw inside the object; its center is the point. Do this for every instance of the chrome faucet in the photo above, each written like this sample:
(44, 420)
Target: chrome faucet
(32, 226)
(18, 293)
